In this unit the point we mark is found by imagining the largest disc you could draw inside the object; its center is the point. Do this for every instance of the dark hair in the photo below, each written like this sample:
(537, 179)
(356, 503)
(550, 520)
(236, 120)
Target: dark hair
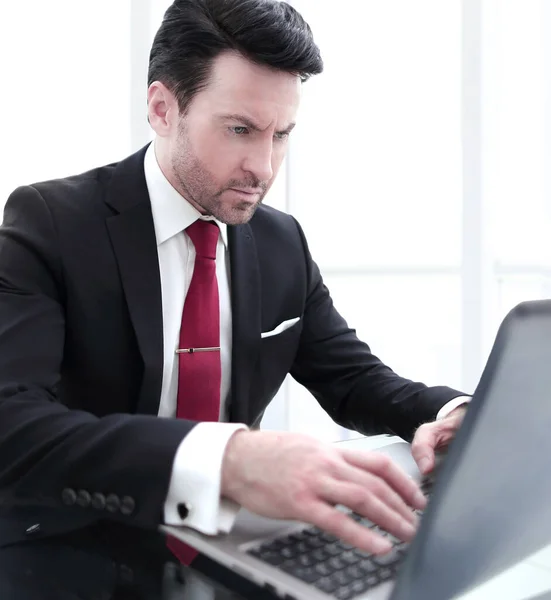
(194, 32)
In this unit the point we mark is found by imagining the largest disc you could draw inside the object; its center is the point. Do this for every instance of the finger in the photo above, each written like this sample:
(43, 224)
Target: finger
(367, 504)
(386, 469)
(423, 445)
(342, 526)
(434, 436)
(380, 488)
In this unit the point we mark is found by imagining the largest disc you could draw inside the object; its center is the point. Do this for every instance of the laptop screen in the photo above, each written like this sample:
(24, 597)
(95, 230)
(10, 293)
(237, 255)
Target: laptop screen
(491, 504)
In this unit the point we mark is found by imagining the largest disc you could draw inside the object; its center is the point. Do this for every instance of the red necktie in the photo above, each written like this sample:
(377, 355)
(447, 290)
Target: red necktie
(200, 371)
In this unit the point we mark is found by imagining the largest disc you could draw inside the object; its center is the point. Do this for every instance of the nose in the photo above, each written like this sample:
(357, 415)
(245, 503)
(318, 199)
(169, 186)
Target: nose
(259, 161)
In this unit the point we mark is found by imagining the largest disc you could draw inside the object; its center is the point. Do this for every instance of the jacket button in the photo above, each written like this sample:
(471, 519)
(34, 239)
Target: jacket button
(112, 503)
(69, 496)
(83, 498)
(127, 506)
(98, 501)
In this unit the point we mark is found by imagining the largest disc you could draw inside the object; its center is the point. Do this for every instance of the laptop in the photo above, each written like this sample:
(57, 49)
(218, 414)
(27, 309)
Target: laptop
(489, 506)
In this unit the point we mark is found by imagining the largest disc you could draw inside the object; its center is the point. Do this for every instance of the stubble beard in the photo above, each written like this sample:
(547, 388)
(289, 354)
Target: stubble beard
(197, 186)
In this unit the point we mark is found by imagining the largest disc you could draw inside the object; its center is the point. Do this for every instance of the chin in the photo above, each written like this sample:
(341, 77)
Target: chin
(237, 216)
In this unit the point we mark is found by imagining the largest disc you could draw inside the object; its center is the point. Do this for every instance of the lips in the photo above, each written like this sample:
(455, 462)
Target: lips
(249, 192)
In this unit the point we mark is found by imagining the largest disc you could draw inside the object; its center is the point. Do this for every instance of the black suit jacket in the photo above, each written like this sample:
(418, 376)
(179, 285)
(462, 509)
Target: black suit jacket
(81, 351)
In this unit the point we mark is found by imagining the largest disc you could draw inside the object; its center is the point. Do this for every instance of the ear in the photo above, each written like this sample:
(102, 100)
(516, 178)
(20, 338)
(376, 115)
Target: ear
(162, 109)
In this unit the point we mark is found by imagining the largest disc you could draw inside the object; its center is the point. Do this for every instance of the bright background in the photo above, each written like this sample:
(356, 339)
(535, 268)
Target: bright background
(431, 127)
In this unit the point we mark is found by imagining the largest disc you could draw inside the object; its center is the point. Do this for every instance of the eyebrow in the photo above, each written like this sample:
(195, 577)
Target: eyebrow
(251, 125)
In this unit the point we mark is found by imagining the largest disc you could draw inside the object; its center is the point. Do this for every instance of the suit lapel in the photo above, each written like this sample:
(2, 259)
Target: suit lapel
(133, 237)
(132, 234)
(246, 324)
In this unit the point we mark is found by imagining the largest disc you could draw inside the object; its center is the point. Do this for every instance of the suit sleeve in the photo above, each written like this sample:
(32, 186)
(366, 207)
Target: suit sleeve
(49, 452)
(353, 386)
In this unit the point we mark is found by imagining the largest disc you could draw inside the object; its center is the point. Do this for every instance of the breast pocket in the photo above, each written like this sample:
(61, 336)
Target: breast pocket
(281, 328)
(278, 348)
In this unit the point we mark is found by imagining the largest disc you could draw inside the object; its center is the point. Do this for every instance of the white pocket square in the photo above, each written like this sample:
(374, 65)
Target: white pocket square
(280, 328)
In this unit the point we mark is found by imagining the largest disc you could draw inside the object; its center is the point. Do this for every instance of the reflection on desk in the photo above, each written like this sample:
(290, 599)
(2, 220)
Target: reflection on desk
(119, 563)
(128, 565)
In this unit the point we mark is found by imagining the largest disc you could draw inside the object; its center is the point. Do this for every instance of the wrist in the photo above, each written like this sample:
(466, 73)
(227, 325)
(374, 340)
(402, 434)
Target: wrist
(458, 412)
(232, 462)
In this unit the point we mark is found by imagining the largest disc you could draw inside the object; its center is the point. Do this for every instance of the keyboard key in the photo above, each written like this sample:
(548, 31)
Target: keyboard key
(303, 547)
(354, 572)
(349, 558)
(333, 549)
(345, 546)
(371, 581)
(367, 566)
(387, 559)
(341, 578)
(324, 570)
(358, 587)
(316, 542)
(306, 561)
(297, 537)
(306, 574)
(402, 546)
(291, 564)
(320, 555)
(289, 552)
(327, 585)
(344, 594)
(385, 574)
(336, 563)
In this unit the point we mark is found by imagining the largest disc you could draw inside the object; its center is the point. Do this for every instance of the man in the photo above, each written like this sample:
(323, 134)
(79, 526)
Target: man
(161, 287)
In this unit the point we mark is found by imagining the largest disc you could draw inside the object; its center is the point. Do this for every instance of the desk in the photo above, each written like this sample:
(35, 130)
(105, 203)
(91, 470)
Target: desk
(136, 566)
(120, 563)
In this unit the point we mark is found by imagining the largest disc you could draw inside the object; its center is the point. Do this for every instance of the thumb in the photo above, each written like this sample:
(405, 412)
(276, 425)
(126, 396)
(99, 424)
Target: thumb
(422, 447)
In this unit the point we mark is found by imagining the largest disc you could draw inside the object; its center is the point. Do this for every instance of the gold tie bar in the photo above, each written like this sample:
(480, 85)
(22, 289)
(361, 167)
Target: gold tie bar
(193, 350)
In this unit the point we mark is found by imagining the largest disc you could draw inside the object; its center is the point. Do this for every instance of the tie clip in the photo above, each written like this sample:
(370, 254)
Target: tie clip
(193, 350)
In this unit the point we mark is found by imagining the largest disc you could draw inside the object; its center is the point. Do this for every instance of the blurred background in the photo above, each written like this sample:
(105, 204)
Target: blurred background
(417, 169)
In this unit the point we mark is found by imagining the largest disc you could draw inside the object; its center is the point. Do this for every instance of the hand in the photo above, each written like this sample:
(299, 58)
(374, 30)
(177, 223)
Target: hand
(292, 476)
(435, 436)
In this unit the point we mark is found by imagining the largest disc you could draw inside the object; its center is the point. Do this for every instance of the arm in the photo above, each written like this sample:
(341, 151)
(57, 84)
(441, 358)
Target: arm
(45, 447)
(356, 389)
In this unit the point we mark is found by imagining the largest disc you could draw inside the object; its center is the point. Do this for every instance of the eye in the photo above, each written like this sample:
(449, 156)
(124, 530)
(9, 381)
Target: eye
(239, 130)
(282, 135)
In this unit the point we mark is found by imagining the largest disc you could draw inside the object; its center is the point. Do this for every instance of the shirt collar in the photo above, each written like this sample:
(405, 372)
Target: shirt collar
(172, 213)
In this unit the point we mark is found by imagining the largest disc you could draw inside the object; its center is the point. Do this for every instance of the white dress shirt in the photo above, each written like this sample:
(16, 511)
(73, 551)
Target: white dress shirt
(196, 471)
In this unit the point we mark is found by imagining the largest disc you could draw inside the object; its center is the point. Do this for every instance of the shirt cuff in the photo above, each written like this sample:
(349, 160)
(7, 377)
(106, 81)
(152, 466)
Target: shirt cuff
(452, 405)
(195, 480)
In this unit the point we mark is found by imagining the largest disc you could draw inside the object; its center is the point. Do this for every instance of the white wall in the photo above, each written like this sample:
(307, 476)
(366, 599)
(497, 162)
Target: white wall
(430, 128)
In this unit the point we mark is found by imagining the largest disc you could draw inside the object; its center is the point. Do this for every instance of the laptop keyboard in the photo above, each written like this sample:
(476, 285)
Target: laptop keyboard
(330, 565)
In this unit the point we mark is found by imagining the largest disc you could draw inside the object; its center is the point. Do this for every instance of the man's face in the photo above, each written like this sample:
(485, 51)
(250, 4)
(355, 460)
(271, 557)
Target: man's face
(226, 151)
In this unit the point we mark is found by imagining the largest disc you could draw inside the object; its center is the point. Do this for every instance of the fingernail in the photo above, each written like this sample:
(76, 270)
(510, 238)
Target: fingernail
(408, 531)
(424, 465)
(382, 546)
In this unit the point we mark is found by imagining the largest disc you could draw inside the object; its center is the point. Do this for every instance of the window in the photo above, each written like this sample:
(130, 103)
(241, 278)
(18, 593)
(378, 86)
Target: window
(65, 88)
(430, 125)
